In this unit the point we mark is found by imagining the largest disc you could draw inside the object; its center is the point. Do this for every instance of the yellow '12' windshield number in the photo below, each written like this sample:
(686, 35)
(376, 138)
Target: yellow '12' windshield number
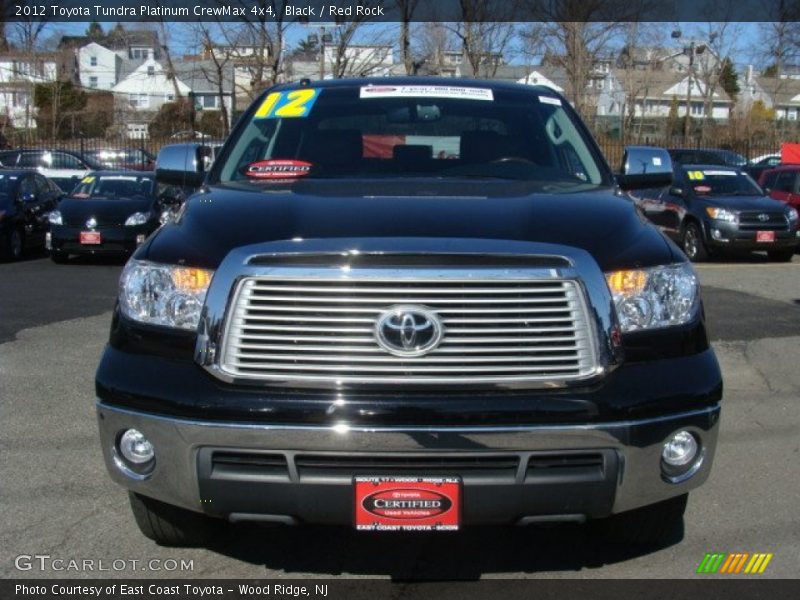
(287, 105)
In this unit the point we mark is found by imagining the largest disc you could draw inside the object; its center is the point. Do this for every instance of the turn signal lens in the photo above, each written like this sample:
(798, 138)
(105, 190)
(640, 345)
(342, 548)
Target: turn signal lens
(626, 283)
(191, 280)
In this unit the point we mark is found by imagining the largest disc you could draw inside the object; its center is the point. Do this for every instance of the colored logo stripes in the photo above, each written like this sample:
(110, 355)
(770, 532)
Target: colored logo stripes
(735, 563)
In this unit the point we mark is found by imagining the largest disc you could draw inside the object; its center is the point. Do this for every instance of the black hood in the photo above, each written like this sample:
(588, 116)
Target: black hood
(75, 211)
(745, 203)
(606, 225)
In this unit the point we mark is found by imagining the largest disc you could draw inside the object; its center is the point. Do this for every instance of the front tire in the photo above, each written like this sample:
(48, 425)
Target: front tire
(692, 243)
(13, 245)
(781, 255)
(169, 525)
(656, 525)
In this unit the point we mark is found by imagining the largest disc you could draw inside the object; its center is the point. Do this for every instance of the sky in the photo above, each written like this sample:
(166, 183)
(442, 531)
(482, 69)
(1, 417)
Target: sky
(745, 51)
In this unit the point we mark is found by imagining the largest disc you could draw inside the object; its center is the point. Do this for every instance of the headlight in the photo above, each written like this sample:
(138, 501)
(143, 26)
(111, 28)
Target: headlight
(54, 217)
(722, 214)
(791, 214)
(655, 297)
(137, 218)
(166, 295)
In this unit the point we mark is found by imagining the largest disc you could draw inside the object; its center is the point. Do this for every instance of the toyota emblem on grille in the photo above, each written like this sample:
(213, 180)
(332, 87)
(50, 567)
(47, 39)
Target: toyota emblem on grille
(91, 223)
(408, 330)
(763, 217)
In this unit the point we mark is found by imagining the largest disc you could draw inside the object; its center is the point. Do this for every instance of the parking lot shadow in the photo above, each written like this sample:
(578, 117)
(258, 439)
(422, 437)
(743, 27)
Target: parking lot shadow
(465, 555)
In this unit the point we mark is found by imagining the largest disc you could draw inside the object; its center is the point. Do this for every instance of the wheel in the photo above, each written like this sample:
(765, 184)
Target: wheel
(781, 255)
(692, 243)
(169, 525)
(13, 245)
(655, 525)
(60, 258)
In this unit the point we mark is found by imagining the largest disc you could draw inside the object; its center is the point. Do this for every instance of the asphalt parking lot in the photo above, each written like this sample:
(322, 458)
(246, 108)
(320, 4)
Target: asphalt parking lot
(57, 499)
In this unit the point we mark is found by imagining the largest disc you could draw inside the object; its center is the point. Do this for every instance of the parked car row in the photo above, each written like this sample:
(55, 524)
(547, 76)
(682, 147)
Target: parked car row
(107, 212)
(716, 205)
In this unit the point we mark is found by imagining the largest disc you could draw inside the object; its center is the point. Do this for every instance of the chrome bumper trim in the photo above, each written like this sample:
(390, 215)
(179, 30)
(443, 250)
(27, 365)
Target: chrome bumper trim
(177, 442)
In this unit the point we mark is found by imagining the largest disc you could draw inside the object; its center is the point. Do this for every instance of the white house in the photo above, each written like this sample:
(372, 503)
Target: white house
(19, 73)
(538, 77)
(98, 66)
(142, 92)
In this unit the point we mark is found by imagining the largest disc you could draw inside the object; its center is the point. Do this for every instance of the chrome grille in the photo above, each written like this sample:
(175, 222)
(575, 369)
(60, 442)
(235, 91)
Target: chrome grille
(322, 330)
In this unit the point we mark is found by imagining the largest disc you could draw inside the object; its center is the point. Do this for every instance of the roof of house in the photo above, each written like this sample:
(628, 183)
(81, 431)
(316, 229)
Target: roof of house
(659, 84)
(782, 91)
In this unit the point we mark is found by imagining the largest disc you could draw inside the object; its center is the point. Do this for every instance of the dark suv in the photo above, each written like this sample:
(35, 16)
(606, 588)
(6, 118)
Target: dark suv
(409, 304)
(710, 208)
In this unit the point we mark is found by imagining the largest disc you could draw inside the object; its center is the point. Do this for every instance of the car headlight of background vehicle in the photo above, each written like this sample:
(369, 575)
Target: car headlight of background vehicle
(167, 295)
(791, 214)
(722, 214)
(655, 297)
(137, 218)
(54, 217)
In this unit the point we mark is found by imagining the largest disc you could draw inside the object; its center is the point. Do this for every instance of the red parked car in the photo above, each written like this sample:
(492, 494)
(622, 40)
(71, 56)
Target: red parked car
(782, 183)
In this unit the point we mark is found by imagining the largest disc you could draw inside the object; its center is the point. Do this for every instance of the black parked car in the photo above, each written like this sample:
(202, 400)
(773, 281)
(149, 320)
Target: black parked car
(109, 212)
(707, 156)
(409, 304)
(25, 200)
(712, 208)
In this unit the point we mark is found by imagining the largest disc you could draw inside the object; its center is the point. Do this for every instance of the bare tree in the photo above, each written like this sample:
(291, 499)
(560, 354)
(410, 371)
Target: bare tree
(576, 33)
(432, 40)
(406, 10)
(485, 33)
(638, 71)
(165, 48)
(220, 64)
(265, 34)
(26, 33)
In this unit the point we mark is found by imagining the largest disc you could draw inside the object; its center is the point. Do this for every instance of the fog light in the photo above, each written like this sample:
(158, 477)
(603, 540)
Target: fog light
(679, 450)
(135, 448)
(681, 456)
(140, 239)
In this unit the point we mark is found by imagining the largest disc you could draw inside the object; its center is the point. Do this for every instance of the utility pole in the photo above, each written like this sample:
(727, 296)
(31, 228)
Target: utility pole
(322, 52)
(688, 94)
(691, 50)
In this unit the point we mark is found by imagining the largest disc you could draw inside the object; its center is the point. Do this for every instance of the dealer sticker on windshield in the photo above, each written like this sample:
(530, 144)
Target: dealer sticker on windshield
(277, 169)
(426, 91)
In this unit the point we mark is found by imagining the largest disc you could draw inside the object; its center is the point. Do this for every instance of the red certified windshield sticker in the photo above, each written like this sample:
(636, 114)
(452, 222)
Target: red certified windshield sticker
(277, 169)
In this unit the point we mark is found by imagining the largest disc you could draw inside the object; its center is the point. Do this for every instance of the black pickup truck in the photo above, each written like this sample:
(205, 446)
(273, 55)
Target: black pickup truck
(409, 304)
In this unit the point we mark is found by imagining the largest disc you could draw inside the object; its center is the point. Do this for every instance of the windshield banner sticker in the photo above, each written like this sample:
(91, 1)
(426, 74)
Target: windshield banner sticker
(717, 173)
(288, 105)
(277, 169)
(549, 100)
(426, 91)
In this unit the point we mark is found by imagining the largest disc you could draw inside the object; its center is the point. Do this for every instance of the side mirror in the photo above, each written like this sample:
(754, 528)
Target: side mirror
(644, 167)
(182, 164)
(676, 191)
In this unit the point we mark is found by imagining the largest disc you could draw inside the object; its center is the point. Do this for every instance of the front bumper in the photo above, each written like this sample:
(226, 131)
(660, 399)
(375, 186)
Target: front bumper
(292, 473)
(726, 235)
(115, 240)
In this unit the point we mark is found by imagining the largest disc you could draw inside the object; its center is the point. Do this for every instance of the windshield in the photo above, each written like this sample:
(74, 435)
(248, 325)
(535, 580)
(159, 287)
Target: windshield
(721, 182)
(114, 187)
(439, 131)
